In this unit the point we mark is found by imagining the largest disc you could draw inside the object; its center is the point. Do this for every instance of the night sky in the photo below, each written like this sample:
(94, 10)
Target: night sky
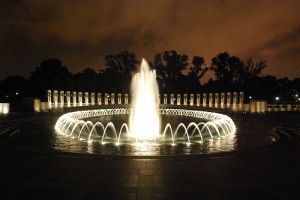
(81, 33)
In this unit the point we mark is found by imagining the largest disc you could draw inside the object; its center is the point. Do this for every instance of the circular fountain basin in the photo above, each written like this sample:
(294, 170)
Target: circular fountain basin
(249, 134)
(203, 126)
(183, 132)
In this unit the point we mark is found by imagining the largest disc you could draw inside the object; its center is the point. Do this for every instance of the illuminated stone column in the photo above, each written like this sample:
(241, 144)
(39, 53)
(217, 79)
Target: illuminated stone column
(55, 98)
(159, 99)
(178, 99)
(68, 98)
(289, 107)
(191, 99)
(106, 98)
(165, 99)
(112, 98)
(126, 99)
(99, 98)
(258, 106)
(228, 99)
(234, 101)
(216, 100)
(204, 100)
(119, 98)
(74, 96)
(185, 99)
(241, 100)
(198, 99)
(210, 100)
(222, 99)
(4, 108)
(80, 98)
(172, 99)
(86, 98)
(93, 98)
(62, 98)
(49, 99)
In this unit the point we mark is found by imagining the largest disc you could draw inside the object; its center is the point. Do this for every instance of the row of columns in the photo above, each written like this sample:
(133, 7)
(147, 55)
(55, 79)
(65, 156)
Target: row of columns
(71, 99)
(206, 99)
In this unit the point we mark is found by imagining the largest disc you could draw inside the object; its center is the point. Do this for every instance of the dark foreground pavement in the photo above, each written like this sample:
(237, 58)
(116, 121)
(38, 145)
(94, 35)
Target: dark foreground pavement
(271, 172)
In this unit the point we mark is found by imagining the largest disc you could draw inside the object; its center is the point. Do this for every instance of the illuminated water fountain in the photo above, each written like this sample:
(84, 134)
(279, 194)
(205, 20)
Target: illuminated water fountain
(148, 124)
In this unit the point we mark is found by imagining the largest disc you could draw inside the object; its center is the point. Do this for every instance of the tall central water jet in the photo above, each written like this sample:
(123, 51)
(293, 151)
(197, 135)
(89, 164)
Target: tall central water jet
(144, 119)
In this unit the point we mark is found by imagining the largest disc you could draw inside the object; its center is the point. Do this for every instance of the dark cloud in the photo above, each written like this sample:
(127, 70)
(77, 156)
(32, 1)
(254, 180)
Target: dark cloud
(81, 33)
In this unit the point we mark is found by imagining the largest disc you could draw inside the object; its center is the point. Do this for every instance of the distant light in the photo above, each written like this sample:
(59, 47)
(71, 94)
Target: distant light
(276, 98)
(250, 97)
(17, 93)
(6, 96)
(299, 99)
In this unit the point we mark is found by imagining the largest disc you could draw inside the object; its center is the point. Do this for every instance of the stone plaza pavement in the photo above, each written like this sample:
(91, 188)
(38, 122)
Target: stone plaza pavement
(270, 172)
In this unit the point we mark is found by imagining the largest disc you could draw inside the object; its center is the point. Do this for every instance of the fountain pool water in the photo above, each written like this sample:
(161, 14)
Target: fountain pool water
(144, 120)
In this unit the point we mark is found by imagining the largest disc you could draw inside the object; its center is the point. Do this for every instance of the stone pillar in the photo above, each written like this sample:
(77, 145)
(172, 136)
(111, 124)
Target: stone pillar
(93, 98)
(234, 101)
(126, 99)
(172, 99)
(198, 100)
(119, 98)
(185, 99)
(165, 99)
(228, 99)
(204, 100)
(86, 98)
(62, 98)
(289, 107)
(191, 99)
(257, 106)
(178, 99)
(55, 98)
(49, 99)
(74, 99)
(106, 98)
(241, 100)
(68, 98)
(4, 108)
(216, 100)
(99, 98)
(112, 98)
(210, 100)
(159, 98)
(80, 98)
(222, 99)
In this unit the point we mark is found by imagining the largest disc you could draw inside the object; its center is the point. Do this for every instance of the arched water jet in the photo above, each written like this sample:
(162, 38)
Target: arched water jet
(94, 127)
(112, 126)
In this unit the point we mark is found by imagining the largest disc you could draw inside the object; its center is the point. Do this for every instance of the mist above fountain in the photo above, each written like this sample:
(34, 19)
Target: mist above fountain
(144, 119)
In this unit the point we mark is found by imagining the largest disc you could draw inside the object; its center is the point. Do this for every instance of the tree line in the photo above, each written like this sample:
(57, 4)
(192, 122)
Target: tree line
(176, 73)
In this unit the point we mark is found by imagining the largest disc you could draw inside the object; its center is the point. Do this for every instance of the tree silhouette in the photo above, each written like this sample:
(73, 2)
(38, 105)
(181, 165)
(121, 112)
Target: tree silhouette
(196, 72)
(169, 67)
(226, 67)
(119, 70)
(13, 88)
(87, 80)
(250, 70)
(51, 74)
